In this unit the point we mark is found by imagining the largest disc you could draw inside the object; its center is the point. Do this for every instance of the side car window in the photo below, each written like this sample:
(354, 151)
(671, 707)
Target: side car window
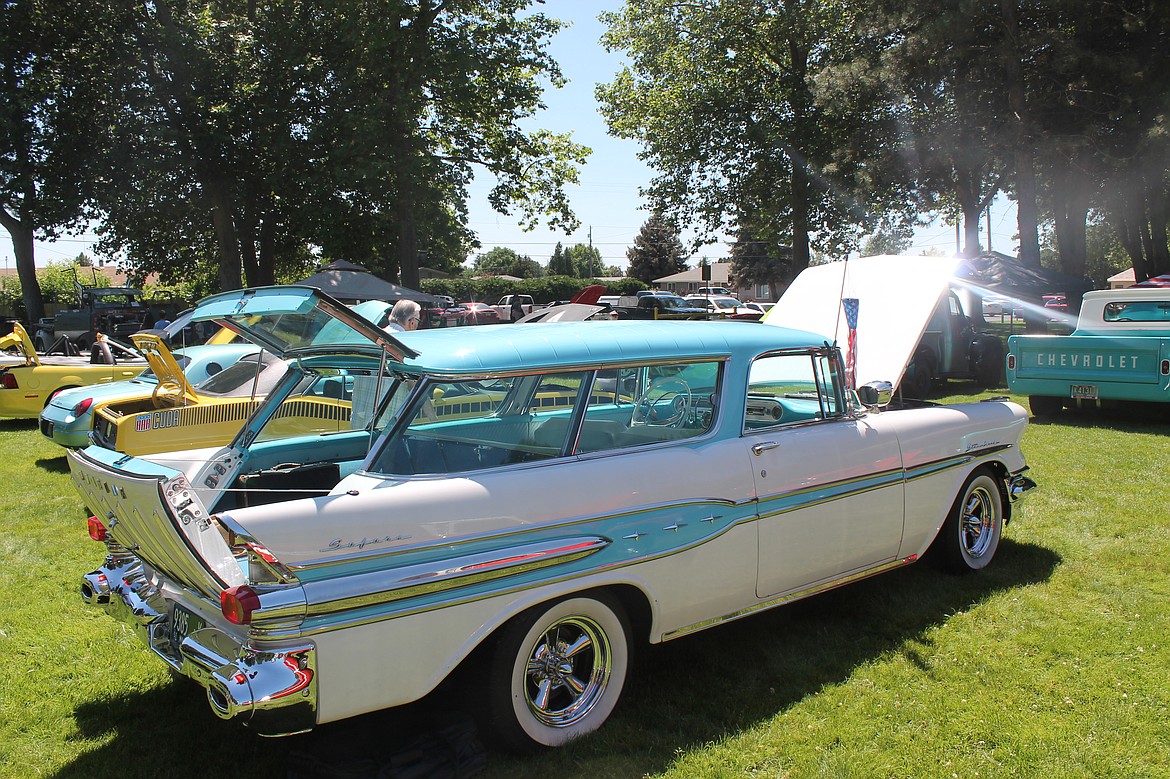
(640, 405)
(791, 388)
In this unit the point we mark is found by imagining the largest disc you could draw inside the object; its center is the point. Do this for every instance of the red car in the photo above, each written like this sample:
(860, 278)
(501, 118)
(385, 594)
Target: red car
(469, 314)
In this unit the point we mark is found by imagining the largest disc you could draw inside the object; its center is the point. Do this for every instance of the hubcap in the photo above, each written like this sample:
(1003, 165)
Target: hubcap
(977, 525)
(567, 672)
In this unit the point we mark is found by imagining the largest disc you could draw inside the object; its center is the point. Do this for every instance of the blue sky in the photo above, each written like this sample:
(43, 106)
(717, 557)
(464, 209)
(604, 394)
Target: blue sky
(607, 200)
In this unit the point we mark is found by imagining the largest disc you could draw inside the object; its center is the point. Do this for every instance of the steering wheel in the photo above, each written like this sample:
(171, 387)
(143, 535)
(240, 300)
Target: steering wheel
(669, 390)
(166, 393)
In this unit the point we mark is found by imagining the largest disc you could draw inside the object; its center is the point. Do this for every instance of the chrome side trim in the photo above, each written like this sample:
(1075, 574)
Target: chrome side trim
(376, 589)
(379, 611)
(310, 569)
(788, 598)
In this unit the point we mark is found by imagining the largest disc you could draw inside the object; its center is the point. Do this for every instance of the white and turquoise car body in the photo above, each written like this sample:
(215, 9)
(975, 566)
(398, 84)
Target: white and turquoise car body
(551, 494)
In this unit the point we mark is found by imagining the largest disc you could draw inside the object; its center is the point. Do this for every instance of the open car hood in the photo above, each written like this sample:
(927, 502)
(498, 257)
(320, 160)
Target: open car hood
(895, 295)
(163, 363)
(19, 340)
(291, 321)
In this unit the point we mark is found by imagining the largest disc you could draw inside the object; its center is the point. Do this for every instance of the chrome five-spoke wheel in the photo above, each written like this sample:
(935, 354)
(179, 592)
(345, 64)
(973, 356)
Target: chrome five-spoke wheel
(973, 529)
(558, 671)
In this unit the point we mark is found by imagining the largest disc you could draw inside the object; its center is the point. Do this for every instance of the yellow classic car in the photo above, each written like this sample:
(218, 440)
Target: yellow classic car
(27, 385)
(179, 416)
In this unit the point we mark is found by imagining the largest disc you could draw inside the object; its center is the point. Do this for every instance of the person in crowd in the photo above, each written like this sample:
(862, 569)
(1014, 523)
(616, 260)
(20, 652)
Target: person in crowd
(404, 316)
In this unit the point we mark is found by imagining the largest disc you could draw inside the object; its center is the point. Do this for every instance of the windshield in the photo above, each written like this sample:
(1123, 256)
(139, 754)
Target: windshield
(253, 375)
(329, 400)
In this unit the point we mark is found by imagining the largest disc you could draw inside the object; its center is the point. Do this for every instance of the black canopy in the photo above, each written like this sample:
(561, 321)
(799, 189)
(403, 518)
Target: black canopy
(348, 282)
(1005, 276)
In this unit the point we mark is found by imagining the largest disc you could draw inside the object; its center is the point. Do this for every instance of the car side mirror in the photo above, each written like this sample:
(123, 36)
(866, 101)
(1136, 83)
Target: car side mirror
(875, 394)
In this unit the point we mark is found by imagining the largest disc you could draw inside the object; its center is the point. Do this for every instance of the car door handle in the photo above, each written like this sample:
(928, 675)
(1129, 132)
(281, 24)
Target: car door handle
(763, 446)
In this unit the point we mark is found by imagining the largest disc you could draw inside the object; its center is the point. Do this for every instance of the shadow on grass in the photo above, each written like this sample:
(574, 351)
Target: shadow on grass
(13, 425)
(54, 464)
(699, 689)
(1130, 418)
(681, 694)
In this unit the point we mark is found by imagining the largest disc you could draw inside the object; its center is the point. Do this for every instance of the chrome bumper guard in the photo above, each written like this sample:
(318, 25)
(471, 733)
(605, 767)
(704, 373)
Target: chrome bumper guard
(272, 691)
(1018, 487)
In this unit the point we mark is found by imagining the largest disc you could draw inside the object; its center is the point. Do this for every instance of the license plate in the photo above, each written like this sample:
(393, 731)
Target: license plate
(1083, 391)
(183, 624)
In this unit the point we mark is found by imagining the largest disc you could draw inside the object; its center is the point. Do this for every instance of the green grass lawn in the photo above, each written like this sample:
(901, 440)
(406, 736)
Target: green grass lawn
(1052, 663)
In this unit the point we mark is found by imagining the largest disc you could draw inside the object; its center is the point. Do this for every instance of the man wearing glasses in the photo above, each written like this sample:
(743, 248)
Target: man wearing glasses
(404, 316)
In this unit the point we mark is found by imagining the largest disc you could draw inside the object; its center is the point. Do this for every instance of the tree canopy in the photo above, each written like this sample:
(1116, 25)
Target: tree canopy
(502, 261)
(54, 61)
(237, 136)
(815, 122)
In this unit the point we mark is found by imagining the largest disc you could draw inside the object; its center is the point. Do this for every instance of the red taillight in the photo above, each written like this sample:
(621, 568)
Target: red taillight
(238, 603)
(8, 381)
(82, 407)
(97, 531)
(1011, 362)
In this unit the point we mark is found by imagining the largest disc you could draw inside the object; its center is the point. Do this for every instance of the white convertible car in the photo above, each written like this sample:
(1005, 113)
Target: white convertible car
(550, 493)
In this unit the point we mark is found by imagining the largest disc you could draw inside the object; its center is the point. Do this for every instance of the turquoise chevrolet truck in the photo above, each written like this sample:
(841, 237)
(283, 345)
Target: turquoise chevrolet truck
(1118, 354)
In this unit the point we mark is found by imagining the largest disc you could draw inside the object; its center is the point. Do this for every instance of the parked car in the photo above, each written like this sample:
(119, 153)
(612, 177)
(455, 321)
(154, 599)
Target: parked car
(28, 383)
(1059, 302)
(601, 485)
(179, 415)
(724, 307)
(714, 291)
(68, 418)
(473, 313)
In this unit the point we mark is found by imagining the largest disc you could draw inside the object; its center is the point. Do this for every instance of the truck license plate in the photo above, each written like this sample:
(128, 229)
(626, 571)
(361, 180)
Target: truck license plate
(1083, 391)
(183, 624)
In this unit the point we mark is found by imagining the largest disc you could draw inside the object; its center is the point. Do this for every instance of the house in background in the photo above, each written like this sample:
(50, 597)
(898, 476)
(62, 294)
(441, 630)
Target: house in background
(1122, 280)
(691, 280)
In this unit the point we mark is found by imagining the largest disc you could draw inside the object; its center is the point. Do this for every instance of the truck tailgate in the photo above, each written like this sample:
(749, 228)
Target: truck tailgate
(1091, 359)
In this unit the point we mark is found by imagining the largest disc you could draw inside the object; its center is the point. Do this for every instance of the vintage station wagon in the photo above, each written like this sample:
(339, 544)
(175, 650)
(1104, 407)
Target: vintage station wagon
(551, 494)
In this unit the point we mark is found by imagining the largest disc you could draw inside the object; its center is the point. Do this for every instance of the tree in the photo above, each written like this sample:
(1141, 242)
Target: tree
(657, 250)
(721, 96)
(586, 260)
(755, 262)
(502, 261)
(53, 106)
(560, 264)
(886, 242)
(254, 129)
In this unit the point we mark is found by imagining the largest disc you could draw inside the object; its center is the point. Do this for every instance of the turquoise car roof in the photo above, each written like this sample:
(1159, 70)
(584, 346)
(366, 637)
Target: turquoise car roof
(506, 348)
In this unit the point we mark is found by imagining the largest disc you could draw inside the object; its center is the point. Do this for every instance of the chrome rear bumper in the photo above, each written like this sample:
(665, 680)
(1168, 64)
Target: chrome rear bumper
(272, 690)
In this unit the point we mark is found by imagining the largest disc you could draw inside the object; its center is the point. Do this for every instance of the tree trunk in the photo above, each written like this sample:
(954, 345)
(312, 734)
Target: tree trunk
(26, 269)
(1027, 221)
(230, 262)
(1027, 212)
(1156, 211)
(1070, 196)
(407, 243)
(800, 192)
(266, 267)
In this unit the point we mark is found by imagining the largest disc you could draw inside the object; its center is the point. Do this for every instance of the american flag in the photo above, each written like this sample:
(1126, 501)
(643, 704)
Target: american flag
(851, 305)
(142, 423)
